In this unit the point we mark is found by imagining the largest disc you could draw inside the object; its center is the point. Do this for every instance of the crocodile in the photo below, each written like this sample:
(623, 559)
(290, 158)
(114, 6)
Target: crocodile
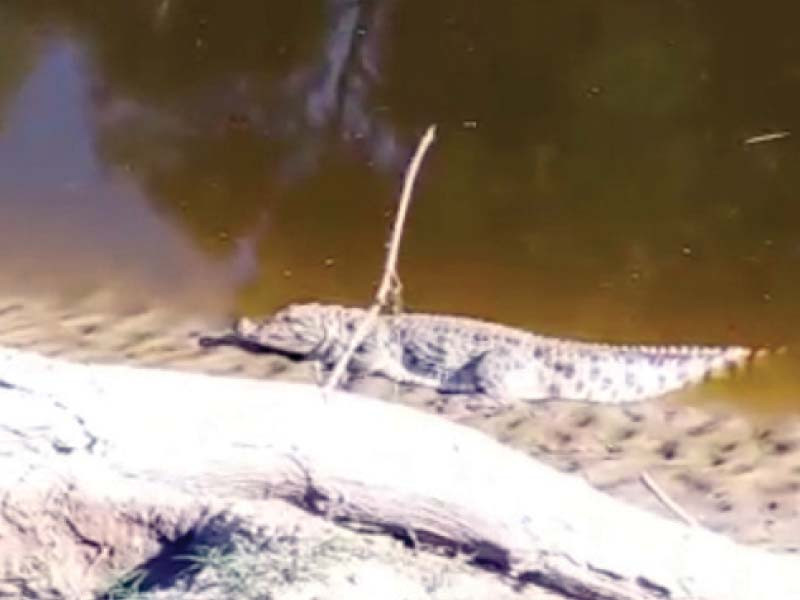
(465, 355)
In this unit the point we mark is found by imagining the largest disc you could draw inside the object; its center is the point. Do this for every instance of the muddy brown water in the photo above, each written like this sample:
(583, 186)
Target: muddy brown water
(595, 175)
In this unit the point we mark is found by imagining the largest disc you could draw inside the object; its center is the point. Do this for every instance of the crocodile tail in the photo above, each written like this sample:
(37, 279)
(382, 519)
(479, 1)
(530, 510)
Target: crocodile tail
(703, 364)
(627, 374)
(742, 359)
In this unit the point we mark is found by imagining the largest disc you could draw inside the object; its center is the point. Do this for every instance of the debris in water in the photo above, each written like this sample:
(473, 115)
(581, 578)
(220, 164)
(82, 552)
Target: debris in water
(767, 137)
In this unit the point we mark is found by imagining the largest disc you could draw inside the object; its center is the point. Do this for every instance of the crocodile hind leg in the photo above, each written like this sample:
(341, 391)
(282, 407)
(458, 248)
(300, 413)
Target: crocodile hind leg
(482, 380)
(499, 375)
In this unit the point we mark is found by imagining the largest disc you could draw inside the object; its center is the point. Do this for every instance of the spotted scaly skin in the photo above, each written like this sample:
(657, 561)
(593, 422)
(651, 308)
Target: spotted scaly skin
(464, 355)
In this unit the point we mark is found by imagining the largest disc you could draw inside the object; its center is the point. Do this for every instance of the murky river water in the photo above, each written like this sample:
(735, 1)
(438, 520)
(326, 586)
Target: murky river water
(626, 171)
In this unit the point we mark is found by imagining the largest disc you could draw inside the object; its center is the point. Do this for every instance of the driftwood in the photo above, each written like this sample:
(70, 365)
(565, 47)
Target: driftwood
(117, 431)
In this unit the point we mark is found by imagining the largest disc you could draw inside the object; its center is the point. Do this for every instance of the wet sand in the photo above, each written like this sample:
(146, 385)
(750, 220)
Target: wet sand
(736, 474)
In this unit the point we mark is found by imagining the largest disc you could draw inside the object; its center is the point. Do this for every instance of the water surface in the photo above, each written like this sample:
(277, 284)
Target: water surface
(592, 176)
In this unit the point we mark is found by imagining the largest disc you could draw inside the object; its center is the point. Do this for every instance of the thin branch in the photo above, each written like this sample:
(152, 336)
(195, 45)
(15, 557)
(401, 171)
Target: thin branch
(671, 505)
(390, 278)
(390, 267)
(361, 332)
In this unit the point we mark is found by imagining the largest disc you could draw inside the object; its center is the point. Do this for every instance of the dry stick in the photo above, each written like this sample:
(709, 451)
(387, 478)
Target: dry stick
(651, 485)
(390, 266)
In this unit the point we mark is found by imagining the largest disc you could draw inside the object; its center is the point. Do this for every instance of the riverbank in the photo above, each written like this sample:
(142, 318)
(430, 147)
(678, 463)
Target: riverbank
(732, 473)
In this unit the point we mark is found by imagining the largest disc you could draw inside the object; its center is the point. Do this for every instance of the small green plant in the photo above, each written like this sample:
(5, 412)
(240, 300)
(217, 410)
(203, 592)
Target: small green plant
(127, 586)
(243, 568)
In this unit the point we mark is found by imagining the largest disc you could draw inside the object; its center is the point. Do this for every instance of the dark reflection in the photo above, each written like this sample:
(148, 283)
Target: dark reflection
(180, 97)
(591, 176)
(240, 122)
(15, 59)
(165, 51)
